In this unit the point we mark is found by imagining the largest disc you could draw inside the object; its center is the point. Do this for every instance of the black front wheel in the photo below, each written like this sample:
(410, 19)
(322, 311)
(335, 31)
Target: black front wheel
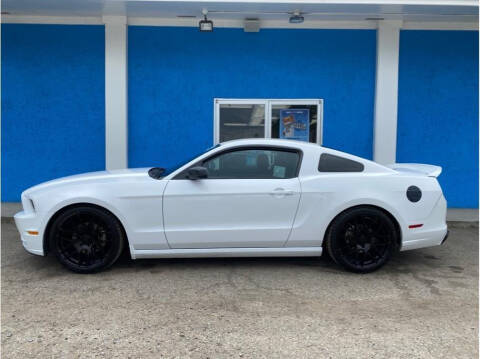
(362, 239)
(86, 239)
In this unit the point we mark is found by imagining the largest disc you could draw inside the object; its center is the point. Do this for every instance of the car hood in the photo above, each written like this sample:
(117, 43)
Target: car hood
(91, 178)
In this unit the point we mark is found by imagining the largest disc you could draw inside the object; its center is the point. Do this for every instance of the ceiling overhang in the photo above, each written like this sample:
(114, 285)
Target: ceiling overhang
(266, 10)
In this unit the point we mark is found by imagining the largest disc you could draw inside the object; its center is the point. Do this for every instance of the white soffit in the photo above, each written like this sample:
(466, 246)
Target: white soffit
(318, 14)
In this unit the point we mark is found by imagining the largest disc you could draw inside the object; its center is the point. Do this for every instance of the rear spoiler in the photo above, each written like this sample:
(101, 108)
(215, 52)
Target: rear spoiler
(417, 168)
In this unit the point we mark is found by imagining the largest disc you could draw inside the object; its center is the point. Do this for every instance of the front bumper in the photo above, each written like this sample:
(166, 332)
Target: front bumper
(446, 237)
(29, 222)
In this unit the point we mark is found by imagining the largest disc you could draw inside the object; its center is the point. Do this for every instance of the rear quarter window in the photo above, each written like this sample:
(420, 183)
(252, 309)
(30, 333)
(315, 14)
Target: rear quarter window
(332, 163)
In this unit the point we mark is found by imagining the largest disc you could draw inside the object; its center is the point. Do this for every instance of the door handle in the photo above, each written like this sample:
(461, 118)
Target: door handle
(282, 192)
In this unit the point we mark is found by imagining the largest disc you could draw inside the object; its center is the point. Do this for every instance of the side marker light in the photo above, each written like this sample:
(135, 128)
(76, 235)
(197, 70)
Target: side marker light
(415, 225)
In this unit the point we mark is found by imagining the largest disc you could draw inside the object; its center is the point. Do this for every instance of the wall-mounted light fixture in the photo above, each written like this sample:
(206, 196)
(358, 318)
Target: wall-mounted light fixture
(296, 17)
(205, 24)
(251, 25)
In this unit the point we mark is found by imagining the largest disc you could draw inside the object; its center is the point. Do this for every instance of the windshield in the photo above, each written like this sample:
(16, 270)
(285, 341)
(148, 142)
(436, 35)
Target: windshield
(175, 167)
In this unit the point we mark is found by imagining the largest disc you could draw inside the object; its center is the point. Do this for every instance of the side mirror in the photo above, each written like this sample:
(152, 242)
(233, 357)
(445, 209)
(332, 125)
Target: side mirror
(156, 172)
(197, 172)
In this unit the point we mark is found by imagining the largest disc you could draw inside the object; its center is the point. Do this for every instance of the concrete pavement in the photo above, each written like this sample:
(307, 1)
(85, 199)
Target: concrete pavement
(424, 304)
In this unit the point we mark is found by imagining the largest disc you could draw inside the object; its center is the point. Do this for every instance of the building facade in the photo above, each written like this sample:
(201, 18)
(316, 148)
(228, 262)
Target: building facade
(89, 93)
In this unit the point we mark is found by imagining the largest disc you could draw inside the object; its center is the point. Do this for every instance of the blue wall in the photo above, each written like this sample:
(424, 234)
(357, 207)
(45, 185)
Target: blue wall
(438, 108)
(52, 103)
(175, 73)
(53, 95)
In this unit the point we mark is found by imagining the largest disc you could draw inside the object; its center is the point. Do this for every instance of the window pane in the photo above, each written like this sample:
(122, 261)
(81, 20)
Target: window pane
(299, 125)
(332, 163)
(241, 121)
(253, 163)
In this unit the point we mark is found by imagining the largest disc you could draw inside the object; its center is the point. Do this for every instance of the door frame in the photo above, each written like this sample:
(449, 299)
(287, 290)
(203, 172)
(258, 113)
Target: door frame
(268, 113)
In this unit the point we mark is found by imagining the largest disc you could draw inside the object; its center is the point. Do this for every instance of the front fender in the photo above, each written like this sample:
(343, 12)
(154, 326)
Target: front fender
(50, 207)
(136, 202)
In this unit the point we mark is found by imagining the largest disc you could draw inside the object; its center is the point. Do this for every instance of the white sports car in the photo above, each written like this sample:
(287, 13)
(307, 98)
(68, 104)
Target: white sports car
(255, 197)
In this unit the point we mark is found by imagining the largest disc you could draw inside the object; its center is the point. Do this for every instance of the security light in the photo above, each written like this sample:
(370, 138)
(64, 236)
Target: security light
(296, 18)
(251, 25)
(205, 24)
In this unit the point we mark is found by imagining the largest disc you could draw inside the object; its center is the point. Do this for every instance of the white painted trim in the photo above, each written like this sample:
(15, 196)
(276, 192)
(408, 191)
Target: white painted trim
(268, 113)
(54, 20)
(323, 2)
(386, 93)
(439, 25)
(353, 2)
(320, 120)
(216, 114)
(114, 20)
(264, 24)
(268, 120)
(116, 94)
(231, 23)
(308, 24)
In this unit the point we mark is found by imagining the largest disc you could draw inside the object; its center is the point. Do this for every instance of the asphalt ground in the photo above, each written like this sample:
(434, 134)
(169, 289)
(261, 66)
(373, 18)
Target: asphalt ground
(423, 304)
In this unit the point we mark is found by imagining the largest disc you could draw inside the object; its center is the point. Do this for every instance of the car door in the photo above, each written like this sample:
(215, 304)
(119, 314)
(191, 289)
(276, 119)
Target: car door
(249, 199)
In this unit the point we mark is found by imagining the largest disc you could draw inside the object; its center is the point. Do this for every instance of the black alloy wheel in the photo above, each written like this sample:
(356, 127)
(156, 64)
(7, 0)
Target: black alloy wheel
(362, 239)
(86, 239)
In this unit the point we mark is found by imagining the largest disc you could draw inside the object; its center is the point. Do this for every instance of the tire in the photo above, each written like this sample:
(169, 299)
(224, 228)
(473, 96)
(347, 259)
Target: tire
(86, 239)
(362, 239)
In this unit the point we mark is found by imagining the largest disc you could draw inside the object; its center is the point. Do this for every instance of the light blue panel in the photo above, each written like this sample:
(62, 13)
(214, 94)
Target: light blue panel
(175, 73)
(53, 109)
(438, 108)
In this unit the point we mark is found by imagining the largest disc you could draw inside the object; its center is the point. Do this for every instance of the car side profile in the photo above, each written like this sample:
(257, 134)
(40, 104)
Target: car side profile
(253, 197)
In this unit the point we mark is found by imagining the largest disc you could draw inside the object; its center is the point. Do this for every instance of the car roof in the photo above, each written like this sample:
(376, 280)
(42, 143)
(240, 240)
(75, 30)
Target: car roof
(271, 141)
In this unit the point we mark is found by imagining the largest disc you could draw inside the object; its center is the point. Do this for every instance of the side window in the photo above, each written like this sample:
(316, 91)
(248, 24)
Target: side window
(332, 163)
(253, 163)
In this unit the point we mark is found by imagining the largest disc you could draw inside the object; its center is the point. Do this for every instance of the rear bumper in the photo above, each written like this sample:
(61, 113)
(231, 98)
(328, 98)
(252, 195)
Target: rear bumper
(29, 222)
(433, 231)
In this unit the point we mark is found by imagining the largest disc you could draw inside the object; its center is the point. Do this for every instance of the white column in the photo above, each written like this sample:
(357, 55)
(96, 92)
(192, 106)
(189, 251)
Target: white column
(116, 100)
(386, 92)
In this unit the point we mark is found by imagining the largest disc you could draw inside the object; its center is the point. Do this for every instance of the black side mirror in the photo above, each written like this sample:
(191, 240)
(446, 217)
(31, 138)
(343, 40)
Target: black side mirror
(198, 172)
(156, 172)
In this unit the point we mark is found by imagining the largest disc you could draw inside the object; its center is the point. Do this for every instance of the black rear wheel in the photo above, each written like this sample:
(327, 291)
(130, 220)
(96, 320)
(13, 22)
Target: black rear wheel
(86, 239)
(362, 239)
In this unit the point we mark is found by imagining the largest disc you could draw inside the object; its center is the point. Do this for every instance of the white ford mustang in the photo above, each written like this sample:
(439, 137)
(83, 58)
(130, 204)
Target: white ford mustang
(255, 197)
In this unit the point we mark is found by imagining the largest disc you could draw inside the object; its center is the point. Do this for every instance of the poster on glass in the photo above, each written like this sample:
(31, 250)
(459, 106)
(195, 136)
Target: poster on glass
(294, 124)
